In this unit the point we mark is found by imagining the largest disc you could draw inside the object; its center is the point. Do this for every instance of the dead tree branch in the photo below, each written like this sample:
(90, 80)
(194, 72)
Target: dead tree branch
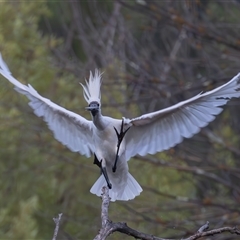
(57, 222)
(109, 227)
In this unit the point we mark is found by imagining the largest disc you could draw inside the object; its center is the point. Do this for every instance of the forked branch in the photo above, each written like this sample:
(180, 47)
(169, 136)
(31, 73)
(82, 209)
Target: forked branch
(109, 227)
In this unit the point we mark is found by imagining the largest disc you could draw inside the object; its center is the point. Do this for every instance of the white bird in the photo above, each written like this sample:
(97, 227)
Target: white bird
(147, 134)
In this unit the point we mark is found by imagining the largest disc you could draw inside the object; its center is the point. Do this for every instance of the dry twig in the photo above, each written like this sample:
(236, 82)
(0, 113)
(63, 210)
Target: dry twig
(57, 222)
(109, 227)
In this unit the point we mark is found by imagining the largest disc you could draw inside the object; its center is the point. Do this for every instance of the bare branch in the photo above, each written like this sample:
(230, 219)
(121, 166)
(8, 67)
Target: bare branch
(173, 54)
(203, 228)
(198, 235)
(57, 222)
(109, 227)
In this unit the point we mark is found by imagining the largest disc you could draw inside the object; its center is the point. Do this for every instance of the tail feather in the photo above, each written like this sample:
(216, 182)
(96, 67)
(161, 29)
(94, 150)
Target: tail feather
(97, 186)
(131, 190)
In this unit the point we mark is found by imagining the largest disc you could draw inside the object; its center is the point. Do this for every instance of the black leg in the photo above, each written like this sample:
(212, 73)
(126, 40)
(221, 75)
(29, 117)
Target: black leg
(120, 136)
(96, 161)
(103, 170)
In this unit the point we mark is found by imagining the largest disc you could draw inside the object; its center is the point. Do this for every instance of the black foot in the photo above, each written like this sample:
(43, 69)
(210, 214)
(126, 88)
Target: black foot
(120, 136)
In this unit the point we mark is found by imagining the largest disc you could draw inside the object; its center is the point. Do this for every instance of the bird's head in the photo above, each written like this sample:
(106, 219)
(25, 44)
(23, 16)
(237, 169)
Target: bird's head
(93, 107)
(91, 92)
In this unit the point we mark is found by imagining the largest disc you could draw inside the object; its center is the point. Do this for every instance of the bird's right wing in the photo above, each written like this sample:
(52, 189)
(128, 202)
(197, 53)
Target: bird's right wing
(68, 127)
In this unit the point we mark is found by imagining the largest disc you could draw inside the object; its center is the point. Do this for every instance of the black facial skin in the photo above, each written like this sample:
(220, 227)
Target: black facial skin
(94, 112)
(93, 108)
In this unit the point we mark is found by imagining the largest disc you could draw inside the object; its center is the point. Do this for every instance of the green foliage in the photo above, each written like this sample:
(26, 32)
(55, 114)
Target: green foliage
(21, 225)
(39, 177)
(20, 40)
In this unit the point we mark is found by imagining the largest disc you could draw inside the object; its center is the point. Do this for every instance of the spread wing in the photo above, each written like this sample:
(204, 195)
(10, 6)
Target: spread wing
(161, 130)
(68, 127)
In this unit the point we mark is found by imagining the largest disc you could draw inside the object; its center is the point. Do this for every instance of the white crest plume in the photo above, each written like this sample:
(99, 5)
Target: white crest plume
(91, 90)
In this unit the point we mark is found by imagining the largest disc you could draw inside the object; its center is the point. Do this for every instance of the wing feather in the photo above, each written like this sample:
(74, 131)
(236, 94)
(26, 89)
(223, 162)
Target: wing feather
(161, 130)
(69, 128)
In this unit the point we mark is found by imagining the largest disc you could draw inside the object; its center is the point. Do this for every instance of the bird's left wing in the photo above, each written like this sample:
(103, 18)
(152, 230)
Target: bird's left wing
(68, 127)
(161, 130)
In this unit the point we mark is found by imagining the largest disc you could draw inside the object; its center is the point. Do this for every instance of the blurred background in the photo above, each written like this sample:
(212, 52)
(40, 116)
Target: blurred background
(153, 54)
